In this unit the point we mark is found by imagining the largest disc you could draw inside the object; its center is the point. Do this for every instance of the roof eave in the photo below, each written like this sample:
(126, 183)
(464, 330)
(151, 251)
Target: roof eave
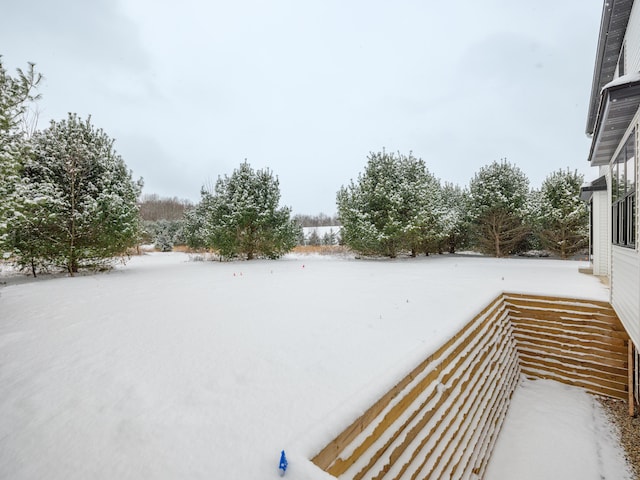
(613, 26)
(598, 185)
(617, 107)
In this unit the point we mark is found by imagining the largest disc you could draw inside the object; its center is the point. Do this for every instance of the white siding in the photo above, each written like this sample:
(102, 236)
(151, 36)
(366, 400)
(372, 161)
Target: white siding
(625, 289)
(601, 241)
(632, 41)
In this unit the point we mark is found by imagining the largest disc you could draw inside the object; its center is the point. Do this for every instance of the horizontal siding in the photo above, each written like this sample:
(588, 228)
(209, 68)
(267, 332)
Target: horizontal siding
(632, 41)
(601, 241)
(625, 289)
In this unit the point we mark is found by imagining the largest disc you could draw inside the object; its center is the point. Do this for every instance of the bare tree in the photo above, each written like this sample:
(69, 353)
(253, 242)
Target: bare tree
(154, 208)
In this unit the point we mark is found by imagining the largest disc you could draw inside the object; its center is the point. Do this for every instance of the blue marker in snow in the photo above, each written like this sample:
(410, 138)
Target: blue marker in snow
(283, 463)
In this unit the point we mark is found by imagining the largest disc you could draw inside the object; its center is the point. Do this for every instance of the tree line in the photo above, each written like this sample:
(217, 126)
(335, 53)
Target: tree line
(70, 202)
(396, 205)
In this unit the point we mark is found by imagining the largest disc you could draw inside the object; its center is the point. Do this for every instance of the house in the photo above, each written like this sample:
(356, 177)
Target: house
(613, 123)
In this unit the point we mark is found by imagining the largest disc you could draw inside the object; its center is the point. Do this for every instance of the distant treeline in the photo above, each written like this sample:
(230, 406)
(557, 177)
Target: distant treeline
(320, 220)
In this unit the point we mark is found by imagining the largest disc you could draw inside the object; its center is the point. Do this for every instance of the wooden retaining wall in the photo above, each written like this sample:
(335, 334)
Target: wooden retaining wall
(581, 343)
(440, 418)
(443, 418)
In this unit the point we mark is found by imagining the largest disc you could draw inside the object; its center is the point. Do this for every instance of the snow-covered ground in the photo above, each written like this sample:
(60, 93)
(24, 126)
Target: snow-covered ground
(170, 368)
(555, 431)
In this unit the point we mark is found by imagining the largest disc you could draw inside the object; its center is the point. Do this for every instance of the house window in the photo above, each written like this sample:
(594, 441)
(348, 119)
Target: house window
(623, 195)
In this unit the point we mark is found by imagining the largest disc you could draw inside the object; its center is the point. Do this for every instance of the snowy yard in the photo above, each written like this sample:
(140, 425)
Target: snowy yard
(169, 368)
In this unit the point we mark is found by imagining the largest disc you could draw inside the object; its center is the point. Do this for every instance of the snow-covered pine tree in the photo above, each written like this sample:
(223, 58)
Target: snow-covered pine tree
(242, 217)
(330, 238)
(497, 208)
(33, 225)
(16, 94)
(314, 239)
(455, 225)
(424, 207)
(394, 206)
(91, 212)
(195, 229)
(563, 217)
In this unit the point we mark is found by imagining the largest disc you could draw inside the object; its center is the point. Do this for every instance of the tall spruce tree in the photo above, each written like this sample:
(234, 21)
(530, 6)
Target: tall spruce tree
(497, 208)
(242, 217)
(82, 200)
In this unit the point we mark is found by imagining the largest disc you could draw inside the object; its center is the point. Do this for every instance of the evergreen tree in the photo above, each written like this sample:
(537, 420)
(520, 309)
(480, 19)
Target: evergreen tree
(32, 226)
(164, 234)
(314, 238)
(330, 238)
(455, 225)
(396, 205)
(194, 230)
(86, 200)
(16, 94)
(242, 217)
(563, 217)
(497, 208)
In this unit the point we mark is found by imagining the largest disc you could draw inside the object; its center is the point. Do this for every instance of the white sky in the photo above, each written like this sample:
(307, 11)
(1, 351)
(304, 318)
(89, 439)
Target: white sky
(190, 89)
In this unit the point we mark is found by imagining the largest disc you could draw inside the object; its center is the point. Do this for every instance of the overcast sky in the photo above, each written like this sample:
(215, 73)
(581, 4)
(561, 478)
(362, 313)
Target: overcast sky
(190, 89)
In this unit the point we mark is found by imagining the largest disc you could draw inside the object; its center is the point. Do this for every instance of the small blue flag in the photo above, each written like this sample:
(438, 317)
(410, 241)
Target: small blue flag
(283, 463)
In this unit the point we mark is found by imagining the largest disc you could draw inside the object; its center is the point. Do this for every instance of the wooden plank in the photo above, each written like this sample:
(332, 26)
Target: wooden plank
(620, 381)
(493, 432)
(491, 383)
(567, 343)
(341, 465)
(498, 386)
(596, 304)
(554, 345)
(599, 378)
(600, 316)
(570, 336)
(570, 324)
(566, 330)
(467, 428)
(599, 358)
(412, 433)
(544, 313)
(531, 371)
(583, 314)
(598, 390)
(327, 456)
(436, 410)
(630, 399)
(572, 363)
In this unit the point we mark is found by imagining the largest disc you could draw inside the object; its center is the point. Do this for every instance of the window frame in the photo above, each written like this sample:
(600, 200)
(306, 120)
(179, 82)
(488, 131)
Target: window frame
(623, 196)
